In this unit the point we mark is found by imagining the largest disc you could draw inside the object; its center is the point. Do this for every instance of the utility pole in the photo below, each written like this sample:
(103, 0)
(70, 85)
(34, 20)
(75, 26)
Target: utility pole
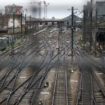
(21, 23)
(95, 33)
(72, 32)
(13, 23)
(60, 32)
(30, 22)
(91, 23)
(13, 36)
(84, 24)
(25, 23)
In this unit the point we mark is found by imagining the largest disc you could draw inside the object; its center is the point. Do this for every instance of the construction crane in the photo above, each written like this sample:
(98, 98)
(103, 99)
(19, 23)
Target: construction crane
(45, 9)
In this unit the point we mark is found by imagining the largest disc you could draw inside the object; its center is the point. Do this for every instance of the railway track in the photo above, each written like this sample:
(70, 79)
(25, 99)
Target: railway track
(60, 94)
(16, 95)
(60, 91)
(84, 95)
(93, 96)
(98, 91)
(90, 90)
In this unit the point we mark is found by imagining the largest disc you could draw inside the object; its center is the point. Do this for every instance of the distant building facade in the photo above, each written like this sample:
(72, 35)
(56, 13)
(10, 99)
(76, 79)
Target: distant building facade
(13, 9)
(100, 6)
(6, 20)
(93, 20)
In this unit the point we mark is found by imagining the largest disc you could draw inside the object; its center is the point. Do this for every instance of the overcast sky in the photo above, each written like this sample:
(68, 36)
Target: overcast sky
(56, 8)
